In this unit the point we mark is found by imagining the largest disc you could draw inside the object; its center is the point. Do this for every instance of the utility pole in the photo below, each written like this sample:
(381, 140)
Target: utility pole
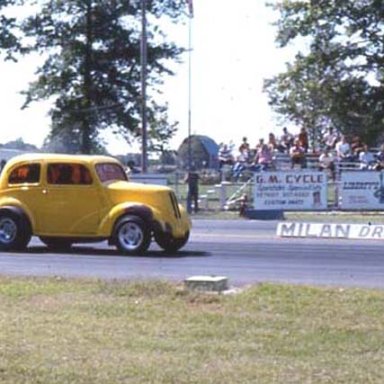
(143, 62)
(190, 84)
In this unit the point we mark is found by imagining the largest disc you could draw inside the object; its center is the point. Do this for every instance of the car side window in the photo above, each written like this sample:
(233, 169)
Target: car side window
(26, 173)
(64, 173)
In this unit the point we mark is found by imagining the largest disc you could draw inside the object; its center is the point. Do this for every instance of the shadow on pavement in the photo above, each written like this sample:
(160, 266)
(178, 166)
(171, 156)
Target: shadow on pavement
(91, 251)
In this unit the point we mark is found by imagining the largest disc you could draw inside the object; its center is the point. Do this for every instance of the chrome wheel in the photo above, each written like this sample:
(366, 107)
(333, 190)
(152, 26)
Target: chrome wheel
(8, 230)
(132, 235)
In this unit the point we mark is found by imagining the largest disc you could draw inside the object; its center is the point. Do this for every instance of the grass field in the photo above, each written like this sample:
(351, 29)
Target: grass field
(86, 331)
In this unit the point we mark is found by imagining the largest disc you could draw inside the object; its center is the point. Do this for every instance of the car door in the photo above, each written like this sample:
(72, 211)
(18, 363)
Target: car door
(72, 200)
(24, 184)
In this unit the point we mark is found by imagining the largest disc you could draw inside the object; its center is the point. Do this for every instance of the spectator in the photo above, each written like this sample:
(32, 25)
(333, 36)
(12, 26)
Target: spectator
(303, 139)
(192, 180)
(367, 158)
(286, 141)
(330, 139)
(131, 168)
(225, 155)
(357, 146)
(259, 144)
(297, 155)
(240, 164)
(263, 159)
(343, 150)
(272, 142)
(244, 146)
(327, 163)
(380, 159)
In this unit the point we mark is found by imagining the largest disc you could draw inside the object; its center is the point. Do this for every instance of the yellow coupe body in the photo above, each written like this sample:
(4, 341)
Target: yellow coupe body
(65, 199)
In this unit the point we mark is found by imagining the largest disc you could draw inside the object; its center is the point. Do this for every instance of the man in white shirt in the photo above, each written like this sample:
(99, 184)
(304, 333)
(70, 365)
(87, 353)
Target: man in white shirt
(367, 158)
(330, 139)
(343, 149)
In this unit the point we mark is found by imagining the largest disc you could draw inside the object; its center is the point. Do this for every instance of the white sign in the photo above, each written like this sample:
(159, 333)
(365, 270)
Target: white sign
(299, 190)
(148, 178)
(335, 231)
(362, 190)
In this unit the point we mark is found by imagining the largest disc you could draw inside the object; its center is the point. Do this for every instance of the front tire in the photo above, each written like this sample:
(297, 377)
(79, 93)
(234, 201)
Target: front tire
(171, 244)
(132, 235)
(15, 231)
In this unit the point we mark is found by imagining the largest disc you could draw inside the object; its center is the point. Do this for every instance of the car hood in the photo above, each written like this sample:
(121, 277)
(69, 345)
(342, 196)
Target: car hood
(126, 191)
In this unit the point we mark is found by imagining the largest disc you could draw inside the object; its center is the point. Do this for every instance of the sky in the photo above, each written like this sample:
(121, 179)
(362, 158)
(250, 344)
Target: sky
(233, 51)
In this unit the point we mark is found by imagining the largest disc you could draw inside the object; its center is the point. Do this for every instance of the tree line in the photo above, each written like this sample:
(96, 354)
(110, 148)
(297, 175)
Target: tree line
(337, 76)
(91, 66)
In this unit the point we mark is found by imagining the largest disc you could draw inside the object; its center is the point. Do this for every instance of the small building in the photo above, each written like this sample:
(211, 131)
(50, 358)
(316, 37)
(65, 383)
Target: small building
(203, 152)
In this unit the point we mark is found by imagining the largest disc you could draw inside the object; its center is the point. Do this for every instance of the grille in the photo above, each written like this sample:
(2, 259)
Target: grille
(175, 205)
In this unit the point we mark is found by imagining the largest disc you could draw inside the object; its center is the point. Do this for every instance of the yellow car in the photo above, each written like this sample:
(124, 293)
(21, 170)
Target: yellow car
(66, 199)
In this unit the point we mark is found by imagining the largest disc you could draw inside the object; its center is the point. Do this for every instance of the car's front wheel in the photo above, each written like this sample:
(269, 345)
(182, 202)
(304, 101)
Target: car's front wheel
(171, 244)
(132, 235)
(15, 233)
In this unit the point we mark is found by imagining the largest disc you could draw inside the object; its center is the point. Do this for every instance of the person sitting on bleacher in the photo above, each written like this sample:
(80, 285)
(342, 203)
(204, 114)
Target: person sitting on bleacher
(244, 146)
(380, 159)
(225, 155)
(297, 155)
(240, 164)
(303, 139)
(286, 141)
(263, 159)
(272, 142)
(330, 139)
(343, 150)
(367, 159)
(357, 146)
(327, 162)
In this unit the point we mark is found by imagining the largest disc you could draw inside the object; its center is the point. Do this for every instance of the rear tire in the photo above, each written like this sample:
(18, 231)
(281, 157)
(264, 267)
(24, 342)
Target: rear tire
(15, 231)
(132, 235)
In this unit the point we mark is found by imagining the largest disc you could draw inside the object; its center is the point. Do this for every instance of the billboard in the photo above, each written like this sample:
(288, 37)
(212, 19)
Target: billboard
(290, 190)
(362, 190)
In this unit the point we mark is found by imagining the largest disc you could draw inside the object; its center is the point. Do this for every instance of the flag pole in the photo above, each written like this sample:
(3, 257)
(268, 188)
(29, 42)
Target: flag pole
(143, 56)
(190, 6)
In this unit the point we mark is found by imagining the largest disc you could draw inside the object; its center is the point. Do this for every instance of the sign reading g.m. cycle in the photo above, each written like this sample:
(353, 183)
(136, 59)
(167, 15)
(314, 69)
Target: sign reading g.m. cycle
(298, 190)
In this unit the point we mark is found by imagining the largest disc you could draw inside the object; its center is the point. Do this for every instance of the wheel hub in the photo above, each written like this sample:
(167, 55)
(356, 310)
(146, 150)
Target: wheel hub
(130, 235)
(8, 230)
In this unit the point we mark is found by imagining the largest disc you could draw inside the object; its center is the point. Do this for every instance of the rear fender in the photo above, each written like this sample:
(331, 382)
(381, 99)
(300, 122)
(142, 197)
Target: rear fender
(18, 211)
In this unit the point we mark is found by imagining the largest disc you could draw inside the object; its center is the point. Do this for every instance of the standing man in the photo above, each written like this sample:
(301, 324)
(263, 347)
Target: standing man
(192, 180)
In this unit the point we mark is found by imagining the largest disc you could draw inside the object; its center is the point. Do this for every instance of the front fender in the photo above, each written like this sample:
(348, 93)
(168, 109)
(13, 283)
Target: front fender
(149, 214)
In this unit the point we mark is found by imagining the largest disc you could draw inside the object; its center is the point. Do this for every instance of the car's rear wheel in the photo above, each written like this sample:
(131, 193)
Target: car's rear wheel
(171, 244)
(15, 231)
(132, 235)
(56, 243)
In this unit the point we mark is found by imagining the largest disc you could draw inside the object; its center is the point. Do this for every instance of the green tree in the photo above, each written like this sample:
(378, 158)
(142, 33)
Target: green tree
(91, 70)
(337, 77)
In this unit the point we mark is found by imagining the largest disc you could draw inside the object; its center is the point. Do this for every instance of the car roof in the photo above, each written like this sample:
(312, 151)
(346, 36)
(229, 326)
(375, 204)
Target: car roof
(27, 157)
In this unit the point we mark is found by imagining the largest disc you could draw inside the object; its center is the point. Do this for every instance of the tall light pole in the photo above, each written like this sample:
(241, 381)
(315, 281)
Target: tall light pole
(143, 63)
(190, 5)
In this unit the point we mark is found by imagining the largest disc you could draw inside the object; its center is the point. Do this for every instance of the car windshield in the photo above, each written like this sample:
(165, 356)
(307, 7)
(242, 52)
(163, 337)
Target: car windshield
(110, 172)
